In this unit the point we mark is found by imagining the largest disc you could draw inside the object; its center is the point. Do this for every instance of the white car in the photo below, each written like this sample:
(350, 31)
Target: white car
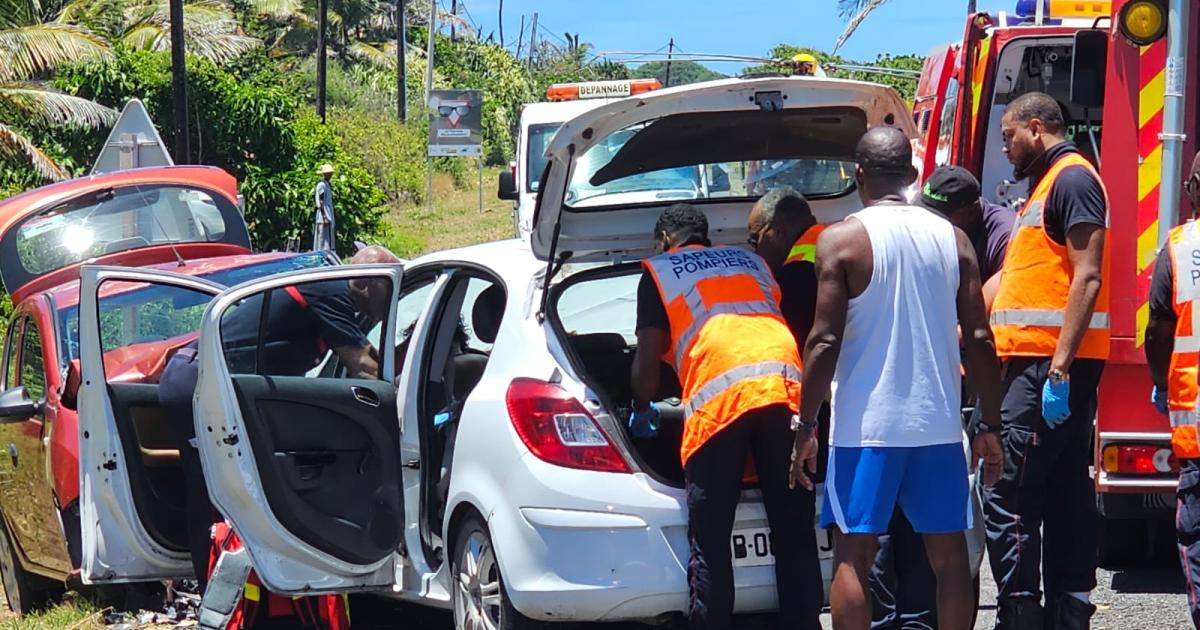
(497, 476)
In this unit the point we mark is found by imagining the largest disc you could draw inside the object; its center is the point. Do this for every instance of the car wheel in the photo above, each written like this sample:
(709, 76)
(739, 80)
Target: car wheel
(480, 598)
(25, 592)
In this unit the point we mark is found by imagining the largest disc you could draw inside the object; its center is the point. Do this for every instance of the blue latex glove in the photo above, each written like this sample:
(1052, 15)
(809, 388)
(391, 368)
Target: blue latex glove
(1159, 399)
(644, 424)
(1054, 402)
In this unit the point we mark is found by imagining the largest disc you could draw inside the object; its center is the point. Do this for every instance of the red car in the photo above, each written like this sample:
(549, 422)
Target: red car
(182, 218)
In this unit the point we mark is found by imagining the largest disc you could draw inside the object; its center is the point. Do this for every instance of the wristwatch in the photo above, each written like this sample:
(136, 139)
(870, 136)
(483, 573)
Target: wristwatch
(801, 425)
(1056, 376)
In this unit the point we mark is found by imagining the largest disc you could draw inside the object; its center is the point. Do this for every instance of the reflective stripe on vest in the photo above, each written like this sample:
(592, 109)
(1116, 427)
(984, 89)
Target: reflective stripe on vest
(730, 346)
(1031, 303)
(805, 248)
(1183, 254)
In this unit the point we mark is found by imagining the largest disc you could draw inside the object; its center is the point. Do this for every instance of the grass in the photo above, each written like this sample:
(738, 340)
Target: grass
(455, 221)
(73, 615)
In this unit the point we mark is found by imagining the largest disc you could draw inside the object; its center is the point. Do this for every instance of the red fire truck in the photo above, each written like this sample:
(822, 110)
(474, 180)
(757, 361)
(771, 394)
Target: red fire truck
(1125, 73)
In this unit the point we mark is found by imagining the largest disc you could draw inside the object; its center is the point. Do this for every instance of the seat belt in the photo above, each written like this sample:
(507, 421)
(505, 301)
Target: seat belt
(224, 589)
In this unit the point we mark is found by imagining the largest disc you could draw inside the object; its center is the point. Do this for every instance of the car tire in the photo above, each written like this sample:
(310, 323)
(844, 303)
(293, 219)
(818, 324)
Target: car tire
(479, 596)
(24, 591)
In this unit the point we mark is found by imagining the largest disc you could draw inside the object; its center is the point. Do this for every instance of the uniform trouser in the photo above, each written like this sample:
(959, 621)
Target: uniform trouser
(714, 487)
(1187, 531)
(175, 390)
(903, 585)
(323, 236)
(1041, 516)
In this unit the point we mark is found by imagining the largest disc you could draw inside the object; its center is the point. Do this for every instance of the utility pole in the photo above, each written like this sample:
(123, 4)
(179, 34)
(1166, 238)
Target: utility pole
(179, 83)
(670, 51)
(401, 55)
(501, 23)
(322, 16)
(970, 7)
(453, 20)
(532, 40)
(520, 38)
(429, 51)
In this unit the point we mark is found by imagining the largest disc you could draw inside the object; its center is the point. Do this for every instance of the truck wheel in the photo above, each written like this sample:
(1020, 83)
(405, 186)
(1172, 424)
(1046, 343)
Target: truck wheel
(480, 598)
(24, 591)
(1123, 542)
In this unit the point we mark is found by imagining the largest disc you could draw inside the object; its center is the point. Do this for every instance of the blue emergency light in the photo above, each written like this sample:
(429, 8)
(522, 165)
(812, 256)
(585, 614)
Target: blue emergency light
(1065, 8)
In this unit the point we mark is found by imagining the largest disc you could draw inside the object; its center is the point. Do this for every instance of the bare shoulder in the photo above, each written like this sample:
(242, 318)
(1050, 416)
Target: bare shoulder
(845, 239)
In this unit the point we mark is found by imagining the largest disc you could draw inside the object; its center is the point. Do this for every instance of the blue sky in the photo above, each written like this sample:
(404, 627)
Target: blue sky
(741, 27)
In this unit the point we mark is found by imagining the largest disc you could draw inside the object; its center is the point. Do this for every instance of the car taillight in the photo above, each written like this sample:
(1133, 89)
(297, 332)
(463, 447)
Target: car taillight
(557, 429)
(1139, 459)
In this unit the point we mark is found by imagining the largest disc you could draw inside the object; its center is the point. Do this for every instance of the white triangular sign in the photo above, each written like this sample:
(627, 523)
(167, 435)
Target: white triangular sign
(132, 143)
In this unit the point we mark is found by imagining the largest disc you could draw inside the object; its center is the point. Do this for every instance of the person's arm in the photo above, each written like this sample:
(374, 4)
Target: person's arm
(798, 286)
(990, 289)
(1085, 251)
(1160, 331)
(360, 361)
(647, 368)
(979, 354)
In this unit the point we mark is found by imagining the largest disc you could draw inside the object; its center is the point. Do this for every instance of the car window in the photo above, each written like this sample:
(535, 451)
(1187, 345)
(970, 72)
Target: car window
(539, 139)
(140, 322)
(601, 304)
(33, 368)
(305, 329)
(12, 343)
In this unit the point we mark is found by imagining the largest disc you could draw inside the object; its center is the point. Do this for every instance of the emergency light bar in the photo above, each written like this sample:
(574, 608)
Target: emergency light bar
(600, 89)
(1065, 8)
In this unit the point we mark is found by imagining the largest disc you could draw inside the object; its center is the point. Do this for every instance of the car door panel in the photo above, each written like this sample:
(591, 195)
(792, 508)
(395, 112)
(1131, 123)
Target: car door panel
(315, 444)
(306, 469)
(118, 545)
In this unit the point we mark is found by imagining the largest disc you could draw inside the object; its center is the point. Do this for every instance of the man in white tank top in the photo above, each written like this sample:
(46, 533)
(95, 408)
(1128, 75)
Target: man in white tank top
(894, 283)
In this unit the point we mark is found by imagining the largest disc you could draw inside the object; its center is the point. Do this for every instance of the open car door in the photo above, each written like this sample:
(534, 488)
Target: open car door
(305, 465)
(129, 321)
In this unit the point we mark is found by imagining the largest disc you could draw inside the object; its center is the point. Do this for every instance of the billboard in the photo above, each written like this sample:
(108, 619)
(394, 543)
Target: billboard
(455, 122)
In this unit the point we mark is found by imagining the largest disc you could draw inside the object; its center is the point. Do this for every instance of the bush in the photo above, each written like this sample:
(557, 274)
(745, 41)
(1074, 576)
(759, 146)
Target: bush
(394, 154)
(250, 120)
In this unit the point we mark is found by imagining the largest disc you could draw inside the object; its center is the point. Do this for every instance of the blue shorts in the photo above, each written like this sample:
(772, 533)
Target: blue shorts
(864, 484)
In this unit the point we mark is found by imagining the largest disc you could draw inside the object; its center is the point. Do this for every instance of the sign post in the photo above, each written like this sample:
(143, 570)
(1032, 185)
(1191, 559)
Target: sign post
(455, 130)
(132, 143)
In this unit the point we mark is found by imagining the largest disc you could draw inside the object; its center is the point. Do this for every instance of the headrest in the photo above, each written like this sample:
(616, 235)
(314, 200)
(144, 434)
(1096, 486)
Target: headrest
(487, 312)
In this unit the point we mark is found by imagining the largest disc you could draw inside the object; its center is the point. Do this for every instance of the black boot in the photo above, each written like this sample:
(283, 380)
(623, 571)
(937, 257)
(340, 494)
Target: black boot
(1019, 613)
(1072, 613)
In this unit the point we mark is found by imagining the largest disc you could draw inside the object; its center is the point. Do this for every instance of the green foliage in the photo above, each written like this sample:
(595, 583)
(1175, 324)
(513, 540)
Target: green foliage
(394, 154)
(682, 72)
(251, 121)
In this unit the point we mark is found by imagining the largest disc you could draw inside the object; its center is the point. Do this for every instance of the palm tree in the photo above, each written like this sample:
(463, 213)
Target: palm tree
(855, 11)
(210, 28)
(31, 48)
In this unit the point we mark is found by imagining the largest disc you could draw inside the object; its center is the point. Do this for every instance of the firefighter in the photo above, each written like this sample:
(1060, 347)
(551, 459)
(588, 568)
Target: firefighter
(1050, 319)
(806, 64)
(319, 315)
(1172, 343)
(713, 314)
(894, 284)
(903, 588)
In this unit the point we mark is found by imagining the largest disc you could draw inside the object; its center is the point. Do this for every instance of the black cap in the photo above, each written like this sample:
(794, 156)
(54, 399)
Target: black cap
(950, 188)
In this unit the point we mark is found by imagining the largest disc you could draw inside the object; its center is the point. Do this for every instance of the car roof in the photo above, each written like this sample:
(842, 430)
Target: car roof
(551, 112)
(67, 295)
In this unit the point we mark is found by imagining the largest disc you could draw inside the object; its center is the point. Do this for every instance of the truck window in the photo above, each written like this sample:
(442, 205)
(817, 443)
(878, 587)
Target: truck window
(539, 138)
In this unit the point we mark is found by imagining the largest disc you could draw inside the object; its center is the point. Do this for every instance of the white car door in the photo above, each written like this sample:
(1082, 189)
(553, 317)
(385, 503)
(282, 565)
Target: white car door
(306, 467)
(129, 514)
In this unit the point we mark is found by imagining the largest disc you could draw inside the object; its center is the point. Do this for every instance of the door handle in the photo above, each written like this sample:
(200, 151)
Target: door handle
(414, 464)
(12, 453)
(365, 396)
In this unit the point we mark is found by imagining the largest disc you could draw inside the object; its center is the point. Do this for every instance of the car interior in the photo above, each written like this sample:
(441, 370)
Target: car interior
(467, 323)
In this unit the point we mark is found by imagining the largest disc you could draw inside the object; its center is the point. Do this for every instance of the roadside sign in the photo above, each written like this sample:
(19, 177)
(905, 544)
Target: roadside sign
(455, 122)
(132, 143)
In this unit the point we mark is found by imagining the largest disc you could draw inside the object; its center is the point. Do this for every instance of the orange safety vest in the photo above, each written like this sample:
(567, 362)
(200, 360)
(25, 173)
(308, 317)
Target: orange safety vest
(1028, 312)
(730, 346)
(1183, 244)
(805, 247)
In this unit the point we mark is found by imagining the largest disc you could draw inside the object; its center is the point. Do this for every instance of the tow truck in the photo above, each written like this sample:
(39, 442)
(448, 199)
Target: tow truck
(539, 123)
(1125, 73)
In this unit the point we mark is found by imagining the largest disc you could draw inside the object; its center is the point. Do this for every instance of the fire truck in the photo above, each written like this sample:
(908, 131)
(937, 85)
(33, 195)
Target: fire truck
(1125, 73)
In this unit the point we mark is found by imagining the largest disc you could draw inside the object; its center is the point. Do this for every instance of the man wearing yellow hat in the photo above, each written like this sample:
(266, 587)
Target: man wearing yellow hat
(323, 232)
(806, 64)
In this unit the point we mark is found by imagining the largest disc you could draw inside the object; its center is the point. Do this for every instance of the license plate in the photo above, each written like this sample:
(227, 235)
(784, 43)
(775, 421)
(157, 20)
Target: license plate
(752, 547)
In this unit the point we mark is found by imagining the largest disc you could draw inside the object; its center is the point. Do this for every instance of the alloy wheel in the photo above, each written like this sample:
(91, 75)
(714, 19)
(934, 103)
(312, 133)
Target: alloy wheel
(478, 601)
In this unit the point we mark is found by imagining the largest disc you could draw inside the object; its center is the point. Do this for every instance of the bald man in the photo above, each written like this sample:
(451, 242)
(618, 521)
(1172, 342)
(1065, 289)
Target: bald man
(894, 283)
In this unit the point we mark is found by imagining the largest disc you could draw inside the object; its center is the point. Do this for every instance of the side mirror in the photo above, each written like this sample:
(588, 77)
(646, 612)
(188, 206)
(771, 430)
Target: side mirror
(1089, 62)
(15, 405)
(507, 188)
